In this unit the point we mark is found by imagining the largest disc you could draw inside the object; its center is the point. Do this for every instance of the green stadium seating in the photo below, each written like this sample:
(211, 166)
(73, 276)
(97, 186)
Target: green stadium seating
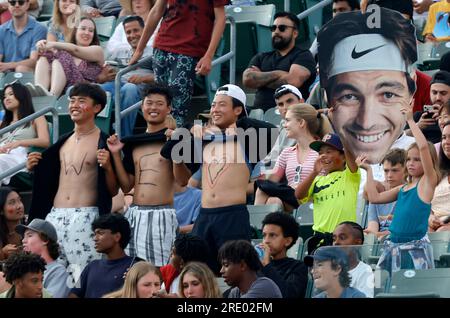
(440, 242)
(272, 116)
(105, 28)
(256, 114)
(253, 32)
(16, 76)
(257, 214)
(46, 11)
(434, 281)
(296, 251)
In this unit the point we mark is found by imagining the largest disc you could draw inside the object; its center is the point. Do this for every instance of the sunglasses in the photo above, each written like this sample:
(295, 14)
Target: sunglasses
(281, 27)
(20, 2)
(298, 170)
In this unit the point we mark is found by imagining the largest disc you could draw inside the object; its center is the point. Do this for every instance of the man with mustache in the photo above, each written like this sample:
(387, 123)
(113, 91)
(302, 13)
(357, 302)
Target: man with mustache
(287, 64)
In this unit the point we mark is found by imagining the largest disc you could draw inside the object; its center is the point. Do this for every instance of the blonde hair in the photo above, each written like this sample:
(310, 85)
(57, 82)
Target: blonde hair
(171, 123)
(434, 158)
(206, 277)
(58, 19)
(318, 124)
(136, 272)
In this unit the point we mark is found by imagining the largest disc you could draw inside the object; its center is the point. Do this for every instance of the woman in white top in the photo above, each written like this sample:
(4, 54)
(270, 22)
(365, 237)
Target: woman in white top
(439, 219)
(14, 144)
(304, 124)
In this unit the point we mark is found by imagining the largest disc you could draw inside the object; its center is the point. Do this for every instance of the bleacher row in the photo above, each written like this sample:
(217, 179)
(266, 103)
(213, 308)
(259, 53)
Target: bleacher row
(253, 35)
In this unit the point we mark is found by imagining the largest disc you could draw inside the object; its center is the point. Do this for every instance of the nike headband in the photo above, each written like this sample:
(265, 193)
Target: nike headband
(366, 52)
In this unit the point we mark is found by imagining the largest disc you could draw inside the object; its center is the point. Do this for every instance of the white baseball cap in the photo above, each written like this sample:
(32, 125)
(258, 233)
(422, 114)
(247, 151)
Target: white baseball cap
(233, 91)
(283, 89)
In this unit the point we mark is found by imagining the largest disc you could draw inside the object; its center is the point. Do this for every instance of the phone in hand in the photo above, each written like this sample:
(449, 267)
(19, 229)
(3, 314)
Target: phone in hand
(428, 109)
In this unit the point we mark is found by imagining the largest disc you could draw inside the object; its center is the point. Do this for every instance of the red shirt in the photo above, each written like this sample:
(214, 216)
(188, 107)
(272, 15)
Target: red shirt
(168, 273)
(187, 26)
(422, 94)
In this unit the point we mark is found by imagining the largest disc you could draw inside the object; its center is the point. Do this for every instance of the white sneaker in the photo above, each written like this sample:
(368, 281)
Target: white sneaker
(41, 91)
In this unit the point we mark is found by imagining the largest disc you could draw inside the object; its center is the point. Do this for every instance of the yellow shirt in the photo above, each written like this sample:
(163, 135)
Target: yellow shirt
(438, 21)
(334, 196)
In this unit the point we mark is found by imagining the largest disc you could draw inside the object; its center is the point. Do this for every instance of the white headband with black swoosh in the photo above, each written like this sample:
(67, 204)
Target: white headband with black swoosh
(366, 52)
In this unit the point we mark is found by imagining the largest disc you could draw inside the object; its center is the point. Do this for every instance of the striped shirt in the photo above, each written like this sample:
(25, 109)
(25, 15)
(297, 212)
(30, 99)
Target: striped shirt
(287, 164)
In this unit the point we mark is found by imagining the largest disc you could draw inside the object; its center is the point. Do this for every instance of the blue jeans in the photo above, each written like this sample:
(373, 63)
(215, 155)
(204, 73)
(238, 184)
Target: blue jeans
(129, 95)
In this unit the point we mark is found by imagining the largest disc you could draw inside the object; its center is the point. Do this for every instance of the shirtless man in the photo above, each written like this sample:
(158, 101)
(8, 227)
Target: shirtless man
(153, 178)
(224, 176)
(74, 179)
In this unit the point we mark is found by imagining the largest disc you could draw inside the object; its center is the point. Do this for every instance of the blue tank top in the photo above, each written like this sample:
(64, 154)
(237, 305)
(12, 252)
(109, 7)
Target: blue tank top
(410, 221)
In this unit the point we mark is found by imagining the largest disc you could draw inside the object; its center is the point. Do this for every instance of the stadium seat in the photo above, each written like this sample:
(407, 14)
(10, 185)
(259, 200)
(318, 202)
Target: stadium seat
(22, 78)
(434, 281)
(304, 216)
(256, 114)
(257, 214)
(103, 119)
(296, 251)
(440, 242)
(253, 31)
(272, 116)
(40, 102)
(213, 80)
(105, 28)
(369, 247)
(46, 11)
(408, 295)
(382, 281)
(65, 123)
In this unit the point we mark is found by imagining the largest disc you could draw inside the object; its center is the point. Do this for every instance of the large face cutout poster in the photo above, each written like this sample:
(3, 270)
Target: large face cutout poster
(365, 63)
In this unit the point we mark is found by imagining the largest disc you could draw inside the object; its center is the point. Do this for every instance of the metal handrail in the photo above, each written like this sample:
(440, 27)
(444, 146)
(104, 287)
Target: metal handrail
(315, 7)
(23, 121)
(230, 56)
(287, 5)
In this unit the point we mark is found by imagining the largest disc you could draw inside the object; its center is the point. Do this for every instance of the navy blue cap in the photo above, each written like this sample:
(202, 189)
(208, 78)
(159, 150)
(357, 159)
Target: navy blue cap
(328, 253)
(332, 140)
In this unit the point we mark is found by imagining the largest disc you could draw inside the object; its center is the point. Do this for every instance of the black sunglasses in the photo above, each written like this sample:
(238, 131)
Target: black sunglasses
(281, 27)
(20, 2)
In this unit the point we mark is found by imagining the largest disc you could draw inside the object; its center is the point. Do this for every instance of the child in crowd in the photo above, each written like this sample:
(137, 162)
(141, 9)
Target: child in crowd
(410, 222)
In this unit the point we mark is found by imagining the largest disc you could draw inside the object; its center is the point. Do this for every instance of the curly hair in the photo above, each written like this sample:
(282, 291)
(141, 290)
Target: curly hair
(240, 250)
(288, 225)
(22, 263)
(191, 248)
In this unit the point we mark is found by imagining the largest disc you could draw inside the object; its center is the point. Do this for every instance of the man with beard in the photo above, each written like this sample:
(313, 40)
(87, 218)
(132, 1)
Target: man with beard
(439, 96)
(287, 64)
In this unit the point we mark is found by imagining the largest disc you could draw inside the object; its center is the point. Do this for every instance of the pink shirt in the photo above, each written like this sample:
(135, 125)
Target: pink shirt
(287, 164)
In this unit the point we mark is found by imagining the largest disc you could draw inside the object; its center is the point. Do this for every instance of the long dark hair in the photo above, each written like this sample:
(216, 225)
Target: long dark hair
(4, 192)
(26, 108)
(444, 161)
(95, 39)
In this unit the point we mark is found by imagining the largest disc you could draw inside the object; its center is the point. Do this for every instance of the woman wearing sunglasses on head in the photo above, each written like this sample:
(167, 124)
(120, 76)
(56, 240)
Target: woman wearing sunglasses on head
(304, 124)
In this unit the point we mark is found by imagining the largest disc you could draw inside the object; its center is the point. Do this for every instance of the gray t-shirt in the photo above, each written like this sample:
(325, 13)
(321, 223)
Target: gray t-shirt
(262, 287)
(55, 280)
(348, 292)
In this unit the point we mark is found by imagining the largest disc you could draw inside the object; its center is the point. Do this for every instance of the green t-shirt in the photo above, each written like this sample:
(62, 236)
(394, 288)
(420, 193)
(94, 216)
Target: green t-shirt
(334, 196)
